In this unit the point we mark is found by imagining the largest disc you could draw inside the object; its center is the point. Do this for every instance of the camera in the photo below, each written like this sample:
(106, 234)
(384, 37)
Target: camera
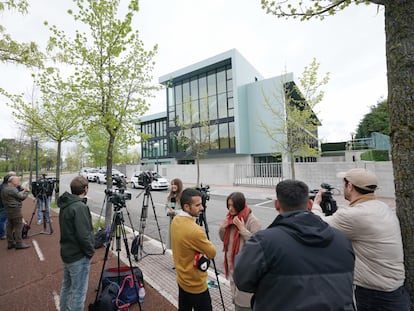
(118, 196)
(147, 178)
(328, 203)
(44, 186)
(205, 194)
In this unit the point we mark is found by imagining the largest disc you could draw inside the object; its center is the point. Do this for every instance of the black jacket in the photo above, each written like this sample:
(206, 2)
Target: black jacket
(298, 263)
(76, 231)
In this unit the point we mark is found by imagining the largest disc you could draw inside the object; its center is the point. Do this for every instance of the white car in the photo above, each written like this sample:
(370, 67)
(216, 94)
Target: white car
(101, 175)
(84, 171)
(91, 175)
(156, 182)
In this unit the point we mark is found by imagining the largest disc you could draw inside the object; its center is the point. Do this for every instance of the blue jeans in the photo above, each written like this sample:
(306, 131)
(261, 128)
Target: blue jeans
(3, 222)
(40, 206)
(374, 300)
(74, 285)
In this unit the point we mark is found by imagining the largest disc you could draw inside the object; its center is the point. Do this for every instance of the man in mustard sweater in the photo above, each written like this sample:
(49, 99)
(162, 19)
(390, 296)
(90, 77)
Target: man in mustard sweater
(188, 241)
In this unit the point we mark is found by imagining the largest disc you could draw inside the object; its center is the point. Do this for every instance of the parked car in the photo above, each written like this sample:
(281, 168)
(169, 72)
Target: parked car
(84, 171)
(91, 175)
(158, 182)
(101, 175)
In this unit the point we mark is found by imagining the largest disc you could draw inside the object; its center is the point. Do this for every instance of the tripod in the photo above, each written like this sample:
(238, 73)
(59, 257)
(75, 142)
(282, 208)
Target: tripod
(43, 200)
(138, 243)
(117, 229)
(202, 221)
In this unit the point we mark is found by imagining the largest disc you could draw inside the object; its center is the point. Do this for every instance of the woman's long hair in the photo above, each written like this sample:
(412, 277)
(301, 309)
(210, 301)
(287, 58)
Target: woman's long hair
(177, 194)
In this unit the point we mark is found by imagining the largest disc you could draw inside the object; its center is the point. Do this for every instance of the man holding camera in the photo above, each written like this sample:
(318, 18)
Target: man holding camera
(299, 262)
(13, 195)
(374, 229)
(191, 252)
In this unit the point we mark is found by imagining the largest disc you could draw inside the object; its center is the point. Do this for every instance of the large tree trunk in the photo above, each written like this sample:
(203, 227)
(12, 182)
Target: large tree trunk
(399, 29)
(108, 211)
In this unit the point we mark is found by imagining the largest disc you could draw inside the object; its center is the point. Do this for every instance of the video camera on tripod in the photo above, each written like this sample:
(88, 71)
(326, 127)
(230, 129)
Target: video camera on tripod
(205, 194)
(147, 179)
(44, 187)
(328, 203)
(118, 196)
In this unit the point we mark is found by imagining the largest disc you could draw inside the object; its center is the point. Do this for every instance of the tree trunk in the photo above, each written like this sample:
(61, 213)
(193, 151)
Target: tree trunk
(399, 29)
(58, 157)
(198, 170)
(108, 210)
(292, 167)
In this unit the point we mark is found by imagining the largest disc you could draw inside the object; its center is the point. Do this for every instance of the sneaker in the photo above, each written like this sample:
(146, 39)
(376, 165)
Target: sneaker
(3, 237)
(22, 246)
(39, 222)
(11, 245)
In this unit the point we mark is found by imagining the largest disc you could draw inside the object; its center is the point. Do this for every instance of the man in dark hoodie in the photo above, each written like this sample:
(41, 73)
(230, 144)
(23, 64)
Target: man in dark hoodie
(76, 244)
(299, 262)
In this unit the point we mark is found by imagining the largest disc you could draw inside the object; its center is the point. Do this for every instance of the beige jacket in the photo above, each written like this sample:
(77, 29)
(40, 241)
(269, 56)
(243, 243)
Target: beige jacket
(252, 225)
(374, 229)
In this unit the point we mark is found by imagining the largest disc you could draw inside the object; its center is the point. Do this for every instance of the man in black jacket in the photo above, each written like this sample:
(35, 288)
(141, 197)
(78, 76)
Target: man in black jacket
(76, 244)
(299, 262)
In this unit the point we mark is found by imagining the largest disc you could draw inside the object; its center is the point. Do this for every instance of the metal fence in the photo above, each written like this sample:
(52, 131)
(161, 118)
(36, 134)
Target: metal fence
(258, 175)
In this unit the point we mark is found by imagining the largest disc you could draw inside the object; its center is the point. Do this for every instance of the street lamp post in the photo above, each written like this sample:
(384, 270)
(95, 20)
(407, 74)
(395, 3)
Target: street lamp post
(156, 146)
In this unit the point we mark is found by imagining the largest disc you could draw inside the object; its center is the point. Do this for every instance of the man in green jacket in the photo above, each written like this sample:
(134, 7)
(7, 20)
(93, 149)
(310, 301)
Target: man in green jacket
(76, 244)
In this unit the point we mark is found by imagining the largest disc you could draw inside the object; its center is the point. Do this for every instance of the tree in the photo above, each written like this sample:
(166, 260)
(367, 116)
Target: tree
(194, 135)
(295, 126)
(12, 51)
(399, 33)
(112, 69)
(374, 121)
(56, 117)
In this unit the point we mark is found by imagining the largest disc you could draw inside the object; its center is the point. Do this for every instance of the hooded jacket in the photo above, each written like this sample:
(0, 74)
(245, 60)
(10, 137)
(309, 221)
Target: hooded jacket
(298, 263)
(76, 230)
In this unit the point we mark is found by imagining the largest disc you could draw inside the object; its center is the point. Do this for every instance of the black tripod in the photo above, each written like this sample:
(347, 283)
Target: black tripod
(202, 221)
(117, 229)
(43, 199)
(138, 243)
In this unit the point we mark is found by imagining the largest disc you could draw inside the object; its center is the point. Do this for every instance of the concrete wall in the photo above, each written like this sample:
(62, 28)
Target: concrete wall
(311, 173)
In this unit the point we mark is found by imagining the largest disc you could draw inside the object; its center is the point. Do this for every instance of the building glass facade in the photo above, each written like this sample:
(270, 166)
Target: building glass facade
(158, 130)
(203, 99)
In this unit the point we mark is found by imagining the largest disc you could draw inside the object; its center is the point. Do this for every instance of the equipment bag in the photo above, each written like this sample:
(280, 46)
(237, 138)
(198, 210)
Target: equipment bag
(128, 292)
(106, 300)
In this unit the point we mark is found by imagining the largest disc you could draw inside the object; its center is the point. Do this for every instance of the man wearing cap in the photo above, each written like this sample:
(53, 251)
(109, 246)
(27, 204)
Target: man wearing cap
(374, 229)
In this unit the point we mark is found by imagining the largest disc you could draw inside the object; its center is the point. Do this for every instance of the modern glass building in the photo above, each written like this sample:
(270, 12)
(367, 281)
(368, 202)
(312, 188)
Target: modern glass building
(223, 99)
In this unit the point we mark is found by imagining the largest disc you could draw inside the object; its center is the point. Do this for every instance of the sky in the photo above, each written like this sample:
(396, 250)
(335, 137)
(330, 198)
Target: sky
(350, 46)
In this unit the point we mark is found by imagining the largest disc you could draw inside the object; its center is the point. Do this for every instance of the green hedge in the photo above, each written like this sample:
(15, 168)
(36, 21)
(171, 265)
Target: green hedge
(375, 155)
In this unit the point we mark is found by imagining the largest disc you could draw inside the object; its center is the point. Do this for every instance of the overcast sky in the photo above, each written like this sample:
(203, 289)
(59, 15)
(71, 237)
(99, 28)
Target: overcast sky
(350, 45)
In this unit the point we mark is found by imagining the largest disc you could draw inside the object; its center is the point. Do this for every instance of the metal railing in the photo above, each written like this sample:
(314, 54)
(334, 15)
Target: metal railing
(258, 175)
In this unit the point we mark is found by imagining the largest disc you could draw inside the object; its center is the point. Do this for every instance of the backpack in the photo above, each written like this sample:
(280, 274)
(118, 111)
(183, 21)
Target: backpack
(107, 298)
(128, 292)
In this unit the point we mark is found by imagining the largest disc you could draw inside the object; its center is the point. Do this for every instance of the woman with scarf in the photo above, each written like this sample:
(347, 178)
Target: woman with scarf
(238, 226)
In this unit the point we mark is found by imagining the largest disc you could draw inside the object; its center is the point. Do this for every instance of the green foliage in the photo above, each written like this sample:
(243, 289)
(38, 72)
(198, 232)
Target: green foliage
(294, 129)
(315, 9)
(12, 51)
(112, 70)
(333, 146)
(375, 155)
(374, 121)
(98, 224)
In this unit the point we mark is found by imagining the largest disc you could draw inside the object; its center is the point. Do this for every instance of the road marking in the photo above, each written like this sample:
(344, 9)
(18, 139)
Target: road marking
(263, 203)
(56, 298)
(38, 250)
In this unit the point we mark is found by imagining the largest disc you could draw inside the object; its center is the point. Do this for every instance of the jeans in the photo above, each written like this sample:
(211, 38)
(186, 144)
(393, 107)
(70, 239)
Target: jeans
(40, 206)
(188, 301)
(3, 222)
(74, 285)
(374, 300)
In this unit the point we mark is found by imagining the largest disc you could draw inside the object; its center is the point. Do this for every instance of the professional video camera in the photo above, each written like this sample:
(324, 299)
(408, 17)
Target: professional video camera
(118, 197)
(328, 203)
(44, 186)
(147, 178)
(119, 181)
(205, 194)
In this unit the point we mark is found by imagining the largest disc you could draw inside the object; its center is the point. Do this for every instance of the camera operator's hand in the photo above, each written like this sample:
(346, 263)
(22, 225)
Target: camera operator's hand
(318, 197)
